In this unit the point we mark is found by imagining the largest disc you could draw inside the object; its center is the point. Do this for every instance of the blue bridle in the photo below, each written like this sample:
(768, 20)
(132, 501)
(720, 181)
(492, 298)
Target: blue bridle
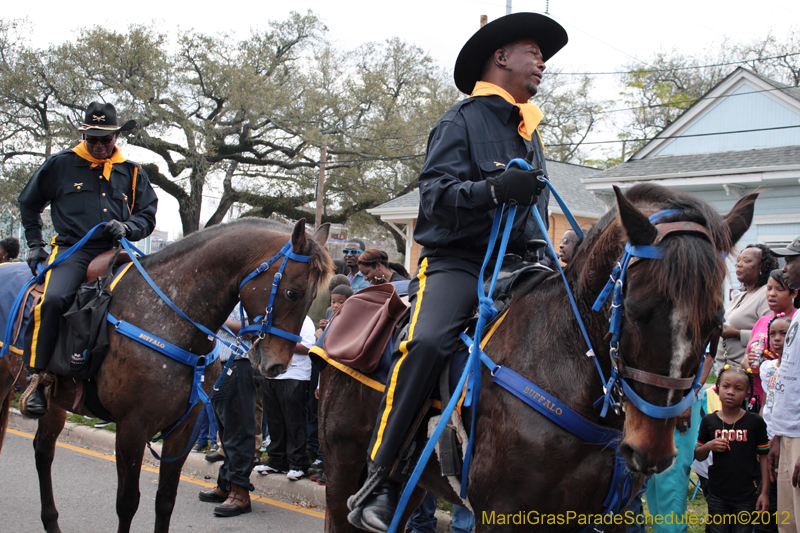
(265, 327)
(616, 382)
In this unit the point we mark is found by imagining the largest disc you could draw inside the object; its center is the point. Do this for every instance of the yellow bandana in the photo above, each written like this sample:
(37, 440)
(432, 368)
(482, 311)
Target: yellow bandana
(529, 114)
(108, 164)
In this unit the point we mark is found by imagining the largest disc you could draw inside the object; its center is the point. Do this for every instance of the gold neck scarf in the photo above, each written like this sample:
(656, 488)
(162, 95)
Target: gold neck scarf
(108, 164)
(529, 114)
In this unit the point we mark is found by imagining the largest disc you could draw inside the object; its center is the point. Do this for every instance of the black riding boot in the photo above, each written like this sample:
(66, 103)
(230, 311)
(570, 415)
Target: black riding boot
(373, 506)
(36, 403)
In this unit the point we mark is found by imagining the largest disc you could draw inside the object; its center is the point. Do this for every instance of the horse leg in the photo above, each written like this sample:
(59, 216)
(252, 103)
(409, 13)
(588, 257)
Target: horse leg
(44, 446)
(4, 408)
(131, 439)
(169, 473)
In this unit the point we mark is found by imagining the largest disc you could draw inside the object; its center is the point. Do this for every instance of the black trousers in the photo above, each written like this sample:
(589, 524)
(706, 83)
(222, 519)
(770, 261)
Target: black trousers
(235, 410)
(443, 295)
(313, 421)
(60, 286)
(285, 403)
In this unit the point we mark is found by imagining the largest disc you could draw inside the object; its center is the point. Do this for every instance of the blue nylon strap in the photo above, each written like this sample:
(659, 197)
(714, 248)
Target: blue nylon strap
(555, 410)
(159, 292)
(664, 412)
(66, 255)
(160, 345)
(524, 165)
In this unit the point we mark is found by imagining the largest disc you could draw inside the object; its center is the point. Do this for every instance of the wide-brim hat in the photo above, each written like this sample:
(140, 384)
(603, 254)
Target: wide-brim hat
(792, 249)
(101, 120)
(547, 33)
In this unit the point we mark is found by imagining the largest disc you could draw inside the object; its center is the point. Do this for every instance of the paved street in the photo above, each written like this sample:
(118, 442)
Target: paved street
(85, 490)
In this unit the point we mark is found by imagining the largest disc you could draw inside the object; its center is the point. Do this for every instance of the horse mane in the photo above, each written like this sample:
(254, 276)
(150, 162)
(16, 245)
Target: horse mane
(320, 263)
(696, 294)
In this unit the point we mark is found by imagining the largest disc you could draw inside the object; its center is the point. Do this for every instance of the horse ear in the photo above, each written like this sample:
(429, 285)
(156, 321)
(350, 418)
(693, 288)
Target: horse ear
(321, 235)
(299, 236)
(639, 229)
(741, 216)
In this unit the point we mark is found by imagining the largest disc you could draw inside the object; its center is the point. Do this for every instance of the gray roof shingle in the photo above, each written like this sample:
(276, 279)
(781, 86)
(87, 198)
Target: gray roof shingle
(784, 156)
(565, 177)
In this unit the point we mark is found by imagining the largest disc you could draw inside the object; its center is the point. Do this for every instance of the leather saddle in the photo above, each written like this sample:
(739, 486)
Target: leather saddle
(99, 264)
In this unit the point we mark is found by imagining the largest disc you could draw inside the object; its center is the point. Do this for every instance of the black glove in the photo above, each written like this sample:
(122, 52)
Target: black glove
(515, 186)
(115, 230)
(36, 255)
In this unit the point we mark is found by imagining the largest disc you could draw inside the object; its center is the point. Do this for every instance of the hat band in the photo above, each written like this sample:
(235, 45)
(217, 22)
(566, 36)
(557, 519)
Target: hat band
(84, 127)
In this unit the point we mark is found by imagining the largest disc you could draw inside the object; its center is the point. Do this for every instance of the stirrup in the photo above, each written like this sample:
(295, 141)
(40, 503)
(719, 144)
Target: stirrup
(38, 379)
(374, 479)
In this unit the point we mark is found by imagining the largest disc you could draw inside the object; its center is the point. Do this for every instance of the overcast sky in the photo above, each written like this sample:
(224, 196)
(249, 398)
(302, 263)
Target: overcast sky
(603, 36)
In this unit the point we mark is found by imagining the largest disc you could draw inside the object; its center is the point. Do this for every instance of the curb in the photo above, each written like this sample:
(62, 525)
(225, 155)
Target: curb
(103, 441)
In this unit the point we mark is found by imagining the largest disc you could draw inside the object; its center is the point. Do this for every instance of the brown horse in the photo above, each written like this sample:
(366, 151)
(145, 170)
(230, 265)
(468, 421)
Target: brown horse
(147, 392)
(522, 461)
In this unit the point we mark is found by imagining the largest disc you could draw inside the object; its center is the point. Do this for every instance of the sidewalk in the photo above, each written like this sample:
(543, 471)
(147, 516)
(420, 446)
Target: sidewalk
(306, 492)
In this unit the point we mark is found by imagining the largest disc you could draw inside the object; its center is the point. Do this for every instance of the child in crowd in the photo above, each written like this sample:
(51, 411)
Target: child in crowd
(778, 326)
(737, 437)
(339, 295)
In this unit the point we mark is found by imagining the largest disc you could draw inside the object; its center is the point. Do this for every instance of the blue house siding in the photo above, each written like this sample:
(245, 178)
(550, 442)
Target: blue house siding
(747, 108)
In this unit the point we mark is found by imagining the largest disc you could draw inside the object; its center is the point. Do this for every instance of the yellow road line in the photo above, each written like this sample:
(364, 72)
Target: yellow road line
(188, 479)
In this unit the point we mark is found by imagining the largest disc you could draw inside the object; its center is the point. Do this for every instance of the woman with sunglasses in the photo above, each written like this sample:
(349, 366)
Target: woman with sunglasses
(351, 252)
(84, 186)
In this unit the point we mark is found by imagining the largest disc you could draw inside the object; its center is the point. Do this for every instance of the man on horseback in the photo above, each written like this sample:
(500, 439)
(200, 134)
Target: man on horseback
(84, 186)
(462, 182)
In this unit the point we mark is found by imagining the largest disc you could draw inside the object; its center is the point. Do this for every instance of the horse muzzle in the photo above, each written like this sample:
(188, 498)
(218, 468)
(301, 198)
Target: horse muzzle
(648, 445)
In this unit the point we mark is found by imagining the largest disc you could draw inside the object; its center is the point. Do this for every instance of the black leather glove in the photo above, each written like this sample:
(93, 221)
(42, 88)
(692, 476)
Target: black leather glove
(36, 255)
(515, 186)
(115, 230)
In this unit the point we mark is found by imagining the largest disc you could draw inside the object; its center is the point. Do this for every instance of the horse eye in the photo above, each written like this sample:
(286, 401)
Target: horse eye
(292, 295)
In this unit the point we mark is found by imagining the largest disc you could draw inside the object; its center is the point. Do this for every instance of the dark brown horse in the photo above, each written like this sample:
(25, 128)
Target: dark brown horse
(522, 461)
(147, 392)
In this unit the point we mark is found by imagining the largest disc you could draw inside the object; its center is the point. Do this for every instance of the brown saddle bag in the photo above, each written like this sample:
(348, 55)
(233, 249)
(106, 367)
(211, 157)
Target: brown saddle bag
(361, 329)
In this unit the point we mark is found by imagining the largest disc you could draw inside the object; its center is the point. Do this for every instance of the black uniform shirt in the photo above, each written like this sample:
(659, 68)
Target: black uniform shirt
(80, 198)
(472, 141)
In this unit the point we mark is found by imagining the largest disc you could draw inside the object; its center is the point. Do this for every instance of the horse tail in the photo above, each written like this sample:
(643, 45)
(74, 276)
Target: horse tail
(4, 410)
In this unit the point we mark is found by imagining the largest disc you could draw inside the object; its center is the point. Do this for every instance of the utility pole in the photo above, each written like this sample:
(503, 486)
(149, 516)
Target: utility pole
(508, 7)
(321, 183)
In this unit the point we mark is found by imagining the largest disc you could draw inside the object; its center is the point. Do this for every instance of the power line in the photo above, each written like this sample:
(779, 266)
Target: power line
(692, 100)
(695, 67)
(677, 136)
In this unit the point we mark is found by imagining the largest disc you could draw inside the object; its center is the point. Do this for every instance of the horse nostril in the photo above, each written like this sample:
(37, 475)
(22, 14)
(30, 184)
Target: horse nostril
(637, 462)
(273, 370)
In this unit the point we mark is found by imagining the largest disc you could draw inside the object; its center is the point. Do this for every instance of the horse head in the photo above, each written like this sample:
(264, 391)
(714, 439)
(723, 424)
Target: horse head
(670, 308)
(295, 289)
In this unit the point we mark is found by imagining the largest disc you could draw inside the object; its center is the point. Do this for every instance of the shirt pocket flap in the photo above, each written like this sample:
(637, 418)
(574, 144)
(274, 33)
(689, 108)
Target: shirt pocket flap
(79, 186)
(117, 194)
(491, 167)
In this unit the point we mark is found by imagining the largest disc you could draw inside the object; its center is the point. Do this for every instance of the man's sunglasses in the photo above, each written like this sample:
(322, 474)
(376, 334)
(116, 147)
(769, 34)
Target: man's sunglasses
(102, 140)
(347, 251)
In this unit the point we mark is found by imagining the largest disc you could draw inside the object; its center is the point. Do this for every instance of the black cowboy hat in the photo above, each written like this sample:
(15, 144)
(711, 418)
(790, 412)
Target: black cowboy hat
(547, 33)
(101, 120)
